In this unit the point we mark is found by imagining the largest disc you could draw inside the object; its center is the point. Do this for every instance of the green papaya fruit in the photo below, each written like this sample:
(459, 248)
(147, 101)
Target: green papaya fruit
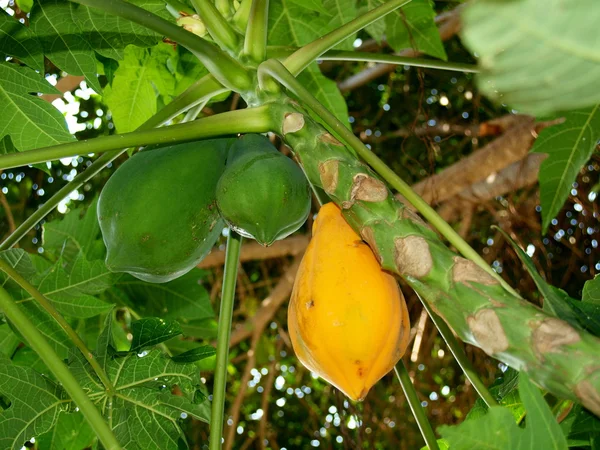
(262, 194)
(158, 212)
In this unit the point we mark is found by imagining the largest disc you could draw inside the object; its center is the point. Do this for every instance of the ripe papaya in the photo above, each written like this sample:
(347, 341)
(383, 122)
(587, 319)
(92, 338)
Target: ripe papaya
(158, 212)
(347, 318)
(262, 194)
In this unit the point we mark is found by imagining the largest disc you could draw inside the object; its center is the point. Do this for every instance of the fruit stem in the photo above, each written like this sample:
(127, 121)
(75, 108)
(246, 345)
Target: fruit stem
(249, 120)
(225, 69)
(275, 69)
(62, 373)
(255, 43)
(232, 256)
(302, 57)
(415, 406)
(201, 91)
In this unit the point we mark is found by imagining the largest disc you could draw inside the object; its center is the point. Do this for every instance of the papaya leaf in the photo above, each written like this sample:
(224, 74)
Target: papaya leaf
(340, 12)
(504, 389)
(581, 427)
(184, 298)
(311, 5)
(556, 301)
(413, 26)
(145, 414)
(24, 5)
(35, 400)
(74, 234)
(109, 35)
(151, 331)
(195, 354)
(61, 40)
(497, 430)
(588, 309)
(200, 329)
(20, 42)
(132, 95)
(30, 121)
(71, 432)
(290, 24)
(376, 29)
(569, 146)
(105, 346)
(442, 444)
(526, 62)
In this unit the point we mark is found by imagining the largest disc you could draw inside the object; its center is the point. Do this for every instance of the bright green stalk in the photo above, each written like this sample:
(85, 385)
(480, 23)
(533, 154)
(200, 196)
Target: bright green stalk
(300, 59)
(50, 309)
(558, 357)
(415, 406)
(201, 91)
(255, 43)
(232, 258)
(224, 68)
(341, 55)
(250, 120)
(62, 373)
(460, 356)
(275, 69)
(240, 18)
(219, 29)
(224, 7)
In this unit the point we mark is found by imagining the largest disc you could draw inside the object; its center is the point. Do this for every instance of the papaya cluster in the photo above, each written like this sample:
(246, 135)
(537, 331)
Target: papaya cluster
(162, 210)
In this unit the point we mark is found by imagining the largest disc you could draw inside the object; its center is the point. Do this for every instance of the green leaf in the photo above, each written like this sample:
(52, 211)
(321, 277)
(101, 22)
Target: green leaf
(200, 329)
(184, 298)
(29, 120)
(73, 234)
(35, 404)
(109, 35)
(132, 96)
(569, 146)
(145, 414)
(326, 91)
(376, 29)
(105, 346)
(195, 354)
(442, 444)
(532, 60)
(71, 432)
(413, 26)
(291, 24)
(497, 430)
(556, 301)
(341, 12)
(581, 427)
(61, 40)
(311, 5)
(151, 331)
(591, 291)
(20, 42)
(504, 389)
(72, 293)
(25, 5)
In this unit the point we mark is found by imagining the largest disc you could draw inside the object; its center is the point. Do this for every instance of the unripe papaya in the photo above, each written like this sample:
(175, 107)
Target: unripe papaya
(158, 212)
(347, 318)
(262, 194)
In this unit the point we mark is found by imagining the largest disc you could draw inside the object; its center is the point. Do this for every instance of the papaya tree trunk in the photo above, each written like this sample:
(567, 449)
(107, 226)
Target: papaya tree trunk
(558, 357)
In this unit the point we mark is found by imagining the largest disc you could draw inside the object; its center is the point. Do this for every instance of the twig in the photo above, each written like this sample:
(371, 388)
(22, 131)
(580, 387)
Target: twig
(9, 215)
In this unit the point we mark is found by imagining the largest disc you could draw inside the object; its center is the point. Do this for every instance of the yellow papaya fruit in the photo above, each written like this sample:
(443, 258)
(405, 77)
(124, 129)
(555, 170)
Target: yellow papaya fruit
(347, 318)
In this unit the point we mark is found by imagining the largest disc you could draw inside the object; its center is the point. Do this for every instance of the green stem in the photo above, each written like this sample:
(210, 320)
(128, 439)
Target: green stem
(175, 6)
(341, 55)
(255, 43)
(62, 373)
(275, 69)
(240, 18)
(460, 356)
(250, 120)
(232, 257)
(224, 68)
(224, 7)
(50, 309)
(202, 90)
(219, 29)
(301, 58)
(415, 406)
